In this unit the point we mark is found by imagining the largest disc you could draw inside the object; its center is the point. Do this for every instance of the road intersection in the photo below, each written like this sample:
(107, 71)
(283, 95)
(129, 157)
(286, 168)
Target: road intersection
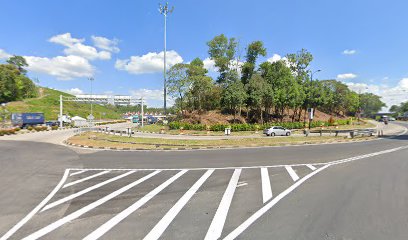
(224, 194)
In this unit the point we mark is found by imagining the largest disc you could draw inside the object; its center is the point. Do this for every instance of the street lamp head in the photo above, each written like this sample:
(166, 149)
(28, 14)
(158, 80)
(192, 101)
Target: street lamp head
(91, 79)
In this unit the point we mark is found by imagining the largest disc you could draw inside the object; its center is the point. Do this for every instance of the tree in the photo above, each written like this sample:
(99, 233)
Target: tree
(222, 50)
(178, 82)
(370, 104)
(257, 89)
(254, 50)
(14, 85)
(19, 62)
(234, 94)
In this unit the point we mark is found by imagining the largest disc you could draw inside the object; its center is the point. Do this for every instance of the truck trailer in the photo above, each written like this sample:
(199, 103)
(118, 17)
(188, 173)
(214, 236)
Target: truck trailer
(27, 119)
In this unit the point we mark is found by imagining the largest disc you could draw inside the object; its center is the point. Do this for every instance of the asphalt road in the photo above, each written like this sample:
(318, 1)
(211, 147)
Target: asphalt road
(298, 192)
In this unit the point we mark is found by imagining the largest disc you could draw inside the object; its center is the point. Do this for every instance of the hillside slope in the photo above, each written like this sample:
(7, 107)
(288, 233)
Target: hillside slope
(48, 103)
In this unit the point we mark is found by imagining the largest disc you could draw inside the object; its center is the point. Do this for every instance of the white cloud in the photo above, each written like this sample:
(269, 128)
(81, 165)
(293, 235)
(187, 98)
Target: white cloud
(209, 64)
(106, 44)
(149, 63)
(349, 52)
(75, 91)
(346, 76)
(4, 54)
(390, 95)
(75, 46)
(62, 67)
(275, 58)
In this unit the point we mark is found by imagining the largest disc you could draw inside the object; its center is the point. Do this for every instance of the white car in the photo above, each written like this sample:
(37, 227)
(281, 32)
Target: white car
(276, 131)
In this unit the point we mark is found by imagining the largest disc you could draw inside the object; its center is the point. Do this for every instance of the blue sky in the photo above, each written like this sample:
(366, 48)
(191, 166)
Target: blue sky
(363, 43)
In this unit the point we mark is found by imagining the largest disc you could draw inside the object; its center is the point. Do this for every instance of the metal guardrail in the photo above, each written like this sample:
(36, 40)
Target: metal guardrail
(352, 132)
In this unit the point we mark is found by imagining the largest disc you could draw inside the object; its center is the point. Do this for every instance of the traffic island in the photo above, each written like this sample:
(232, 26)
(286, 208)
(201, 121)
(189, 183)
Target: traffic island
(97, 140)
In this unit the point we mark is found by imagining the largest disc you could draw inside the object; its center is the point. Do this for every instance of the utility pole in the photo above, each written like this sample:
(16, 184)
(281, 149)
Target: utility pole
(165, 10)
(141, 100)
(311, 88)
(91, 79)
(61, 123)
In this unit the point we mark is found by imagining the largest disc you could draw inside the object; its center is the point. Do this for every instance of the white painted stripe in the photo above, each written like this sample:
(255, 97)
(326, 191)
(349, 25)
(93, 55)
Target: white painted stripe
(104, 228)
(70, 197)
(161, 226)
(311, 167)
(87, 208)
(85, 179)
(36, 209)
(217, 224)
(266, 185)
(236, 232)
(292, 173)
(79, 172)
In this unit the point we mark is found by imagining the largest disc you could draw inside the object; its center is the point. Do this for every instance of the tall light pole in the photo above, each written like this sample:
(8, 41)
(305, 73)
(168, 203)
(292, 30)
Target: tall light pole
(165, 10)
(311, 84)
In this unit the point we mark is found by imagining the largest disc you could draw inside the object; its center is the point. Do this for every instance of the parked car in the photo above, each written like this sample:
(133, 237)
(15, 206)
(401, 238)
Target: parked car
(391, 119)
(276, 131)
(51, 123)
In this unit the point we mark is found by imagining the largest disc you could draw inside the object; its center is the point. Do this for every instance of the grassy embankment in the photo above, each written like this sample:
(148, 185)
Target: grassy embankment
(48, 103)
(103, 140)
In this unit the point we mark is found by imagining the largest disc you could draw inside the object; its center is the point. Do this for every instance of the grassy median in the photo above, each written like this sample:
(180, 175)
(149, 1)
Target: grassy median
(103, 140)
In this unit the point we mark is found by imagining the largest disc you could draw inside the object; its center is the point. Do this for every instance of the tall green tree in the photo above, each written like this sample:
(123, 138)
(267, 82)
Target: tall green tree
(234, 94)
(179, 82)
(254, 50)
(14, 85)
(19, 62)
(370, 104)
(222, 50)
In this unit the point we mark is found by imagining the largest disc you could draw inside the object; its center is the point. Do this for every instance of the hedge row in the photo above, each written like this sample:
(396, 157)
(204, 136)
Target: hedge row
(251, 127)
(111, 122)
(9, 131)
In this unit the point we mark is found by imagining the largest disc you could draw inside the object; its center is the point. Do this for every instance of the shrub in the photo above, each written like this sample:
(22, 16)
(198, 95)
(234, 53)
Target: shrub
(54, 127)
(30, 128)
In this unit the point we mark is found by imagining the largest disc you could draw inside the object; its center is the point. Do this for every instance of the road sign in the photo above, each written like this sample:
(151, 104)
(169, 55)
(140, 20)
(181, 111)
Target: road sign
(90, 117)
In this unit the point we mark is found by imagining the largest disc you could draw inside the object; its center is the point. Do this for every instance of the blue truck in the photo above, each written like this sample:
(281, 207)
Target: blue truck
(27, 119)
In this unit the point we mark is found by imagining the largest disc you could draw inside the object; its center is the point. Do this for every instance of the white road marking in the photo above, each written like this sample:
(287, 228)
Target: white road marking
(161, 226)
(241, 184)
(70, 197)
(236, 232)
(311, 167)
(125, 213)
(36, 209)
(266, 185)
(217, 224)
(85, 179)
(86, 209)
(78, 172)
(292, 173)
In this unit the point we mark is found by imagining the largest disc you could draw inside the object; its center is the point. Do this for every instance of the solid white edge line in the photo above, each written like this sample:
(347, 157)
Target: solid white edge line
(292, 173)
(76, 173)
(51, 227)
(236, 232)
(162, 225)
(85, 179)
(104, 228)
(266, 185)
(311, 167)
(77, 194)
(217, 224)
(36, 209)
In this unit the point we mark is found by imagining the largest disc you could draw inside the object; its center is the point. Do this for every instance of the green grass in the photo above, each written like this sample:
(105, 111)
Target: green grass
(48, 103)
(103, 140)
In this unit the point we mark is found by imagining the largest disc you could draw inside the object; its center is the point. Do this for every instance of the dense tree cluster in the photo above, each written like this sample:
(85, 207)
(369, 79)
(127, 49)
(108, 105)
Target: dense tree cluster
(269, 91)
(400, 110)
(14, 84)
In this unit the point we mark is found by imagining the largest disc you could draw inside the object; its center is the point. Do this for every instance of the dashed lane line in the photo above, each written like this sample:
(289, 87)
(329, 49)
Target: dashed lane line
(78, 172)
(77, 194)
(78, 213)
(36, 209)
(104, 228)
(162, 225)
(85, 179)
(266, 185)
(217, 224)
(292, 173)
(311, 167)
